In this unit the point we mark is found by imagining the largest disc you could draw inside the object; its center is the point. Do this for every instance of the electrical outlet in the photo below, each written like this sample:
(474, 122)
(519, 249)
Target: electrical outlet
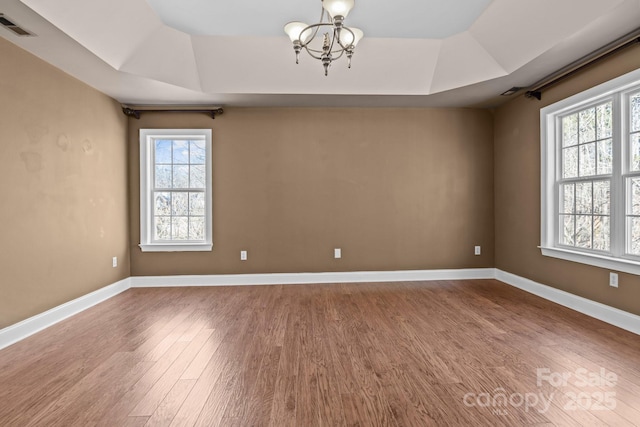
(243, 255)
(477, 250)
(613, 280)
(114, 261)
(337, 253)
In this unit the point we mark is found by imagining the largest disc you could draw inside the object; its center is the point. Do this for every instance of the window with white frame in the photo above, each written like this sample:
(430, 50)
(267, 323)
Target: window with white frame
(175, 190)
(591, 176)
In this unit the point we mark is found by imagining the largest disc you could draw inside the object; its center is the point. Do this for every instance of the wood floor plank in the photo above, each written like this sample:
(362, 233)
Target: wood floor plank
(95, 392)
(208, 399)
(157, 393)
(384, 354)
(284, 403)
(330, 411)
(201, 360)
(134, 394)
(170, 405)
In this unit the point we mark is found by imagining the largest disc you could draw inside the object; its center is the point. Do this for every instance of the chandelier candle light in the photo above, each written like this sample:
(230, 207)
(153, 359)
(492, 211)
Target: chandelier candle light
(338, 41)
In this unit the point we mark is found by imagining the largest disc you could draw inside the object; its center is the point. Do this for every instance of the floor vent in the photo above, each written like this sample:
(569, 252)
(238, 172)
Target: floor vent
(10, 25)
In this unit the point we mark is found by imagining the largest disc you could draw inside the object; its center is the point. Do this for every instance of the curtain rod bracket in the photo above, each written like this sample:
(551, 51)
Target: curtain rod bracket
(130, 112)
(534, 94)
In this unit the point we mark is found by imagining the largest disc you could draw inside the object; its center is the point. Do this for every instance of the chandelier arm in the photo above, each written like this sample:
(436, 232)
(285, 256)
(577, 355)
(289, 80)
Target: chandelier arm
(341, 51)
(336, 35)
(317, 27)
(314, 50)
(321, 21)
(325, 15)
(309, 51)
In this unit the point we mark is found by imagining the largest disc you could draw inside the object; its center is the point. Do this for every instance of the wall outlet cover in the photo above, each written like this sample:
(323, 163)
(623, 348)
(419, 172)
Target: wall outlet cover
(613, 280)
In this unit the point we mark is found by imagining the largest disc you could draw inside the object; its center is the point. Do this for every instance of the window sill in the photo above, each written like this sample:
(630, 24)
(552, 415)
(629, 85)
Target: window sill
(176, 247)
(602, 261)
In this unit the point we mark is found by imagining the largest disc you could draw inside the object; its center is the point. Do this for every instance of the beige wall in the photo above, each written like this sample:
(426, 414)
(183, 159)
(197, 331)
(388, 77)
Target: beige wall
(517, 194)
(394, 188)
(63, 187)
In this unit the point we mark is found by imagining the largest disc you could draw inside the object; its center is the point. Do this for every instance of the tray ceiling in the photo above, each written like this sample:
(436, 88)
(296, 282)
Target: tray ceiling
(236, 53)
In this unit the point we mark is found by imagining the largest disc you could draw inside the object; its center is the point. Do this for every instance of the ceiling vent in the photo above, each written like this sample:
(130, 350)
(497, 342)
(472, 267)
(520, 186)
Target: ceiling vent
(10, 25)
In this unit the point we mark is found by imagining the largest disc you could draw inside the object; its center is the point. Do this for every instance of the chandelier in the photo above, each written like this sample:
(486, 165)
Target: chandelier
(337, 41)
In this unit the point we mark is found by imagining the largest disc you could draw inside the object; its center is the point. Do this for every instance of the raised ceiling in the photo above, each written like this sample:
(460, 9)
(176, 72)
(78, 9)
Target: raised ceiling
(422, 53)
(424, 19)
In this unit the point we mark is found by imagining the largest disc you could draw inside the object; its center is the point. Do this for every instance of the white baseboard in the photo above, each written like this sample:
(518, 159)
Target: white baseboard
(19, 331)
(608, 314)
(28, 327)
(309, 278)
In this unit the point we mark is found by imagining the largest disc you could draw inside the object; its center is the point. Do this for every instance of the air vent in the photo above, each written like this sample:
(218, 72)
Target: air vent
(10, 25)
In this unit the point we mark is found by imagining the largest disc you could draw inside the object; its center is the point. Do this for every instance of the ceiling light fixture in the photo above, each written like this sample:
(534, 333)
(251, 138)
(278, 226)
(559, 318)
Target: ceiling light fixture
(335, 43)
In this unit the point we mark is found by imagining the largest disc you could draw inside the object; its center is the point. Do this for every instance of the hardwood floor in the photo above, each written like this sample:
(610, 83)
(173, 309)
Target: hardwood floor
(389, 354)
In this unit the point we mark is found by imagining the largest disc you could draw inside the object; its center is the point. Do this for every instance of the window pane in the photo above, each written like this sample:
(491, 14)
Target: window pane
(604, 118)
(179, 204)
(588, 159)
(587, 125)
(163, 151)
(601, 197)
(180, 152)
(178, 196)
(197, 176)
(196, 203)
(181, 176)
(567, 230)
(197, 152)
(570, 130)
(635, 112)
(634, 203)
(634, 237)
(567, 199)
(163, 228)
(163, 203)
(634, 155)
(180, 228)
(601, 236)
(605, 157)
(583, 197)
(583, 231)
(196, 228)
(570, 162)
(163, 176)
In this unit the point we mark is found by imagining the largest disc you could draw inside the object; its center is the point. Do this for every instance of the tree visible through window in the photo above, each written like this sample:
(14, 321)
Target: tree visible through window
(178, 193)
(633, 178)
(586, 154)
(591, 176)
(175, 189)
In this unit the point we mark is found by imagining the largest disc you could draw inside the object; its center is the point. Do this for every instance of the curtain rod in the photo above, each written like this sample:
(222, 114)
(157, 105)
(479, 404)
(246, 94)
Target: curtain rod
(131, 111)
(606, 51)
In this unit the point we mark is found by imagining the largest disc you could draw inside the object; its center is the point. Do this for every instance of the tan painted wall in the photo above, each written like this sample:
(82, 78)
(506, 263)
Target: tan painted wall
(394, 188)
(63, 187)
(517, 194)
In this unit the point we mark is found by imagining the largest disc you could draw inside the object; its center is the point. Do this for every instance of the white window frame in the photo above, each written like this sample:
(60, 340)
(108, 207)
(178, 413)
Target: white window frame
(147, 172)
(616, 90)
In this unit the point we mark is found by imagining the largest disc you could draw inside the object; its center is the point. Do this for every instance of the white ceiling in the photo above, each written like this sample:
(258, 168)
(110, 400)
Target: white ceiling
(427, 53)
